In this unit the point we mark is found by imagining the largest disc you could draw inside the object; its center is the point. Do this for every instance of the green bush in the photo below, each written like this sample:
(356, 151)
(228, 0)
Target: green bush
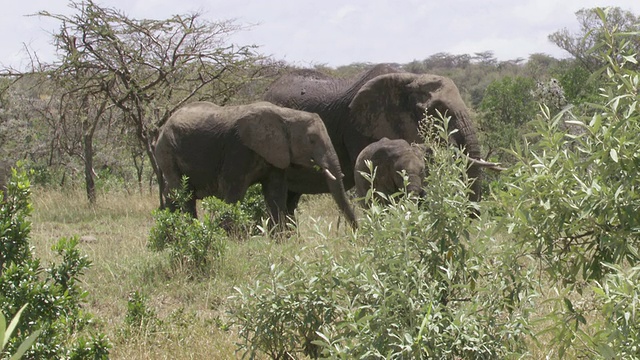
(53, 293)
(192, 244)
(416, 286)
(240, 219)
(572, 198)
(571, 204)
(619, 334)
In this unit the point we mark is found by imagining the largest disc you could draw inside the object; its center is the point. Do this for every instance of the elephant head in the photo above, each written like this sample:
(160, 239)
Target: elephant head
(388, 159)
(392, 105)
(287, 138)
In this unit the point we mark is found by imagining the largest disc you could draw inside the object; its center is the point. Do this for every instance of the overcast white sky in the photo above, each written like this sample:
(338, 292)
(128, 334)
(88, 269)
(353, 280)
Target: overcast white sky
(336, 32)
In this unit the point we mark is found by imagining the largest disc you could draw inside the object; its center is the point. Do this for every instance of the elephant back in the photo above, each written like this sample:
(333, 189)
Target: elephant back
(314, 91)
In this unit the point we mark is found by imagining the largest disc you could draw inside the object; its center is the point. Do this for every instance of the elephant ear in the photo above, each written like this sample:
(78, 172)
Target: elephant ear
(266, 134)
(387, 106)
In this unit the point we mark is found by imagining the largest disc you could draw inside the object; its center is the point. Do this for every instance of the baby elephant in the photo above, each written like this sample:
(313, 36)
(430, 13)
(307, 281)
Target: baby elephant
(391, 157)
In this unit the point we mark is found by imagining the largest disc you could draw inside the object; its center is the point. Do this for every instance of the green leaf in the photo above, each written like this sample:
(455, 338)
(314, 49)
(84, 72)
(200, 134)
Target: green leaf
(12, 326)
(569, 305)
(26, 344)
(614, 155)
(606, 351)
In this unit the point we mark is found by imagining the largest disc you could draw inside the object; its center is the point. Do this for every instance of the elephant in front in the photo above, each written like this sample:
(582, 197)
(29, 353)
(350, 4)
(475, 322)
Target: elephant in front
(224, 150)
(381, 102)
(389, 158)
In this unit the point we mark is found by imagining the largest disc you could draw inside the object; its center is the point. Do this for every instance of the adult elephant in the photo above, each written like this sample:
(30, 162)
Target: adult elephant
(381, 102)
(388, 159)
(224, 150)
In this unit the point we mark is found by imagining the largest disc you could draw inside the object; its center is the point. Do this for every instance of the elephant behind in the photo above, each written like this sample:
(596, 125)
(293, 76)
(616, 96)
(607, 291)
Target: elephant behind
(390, 158)
(224, 150)
(381, 102)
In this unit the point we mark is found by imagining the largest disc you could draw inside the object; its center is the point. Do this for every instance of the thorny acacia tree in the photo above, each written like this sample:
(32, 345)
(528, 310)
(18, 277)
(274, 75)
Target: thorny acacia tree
(149, 68)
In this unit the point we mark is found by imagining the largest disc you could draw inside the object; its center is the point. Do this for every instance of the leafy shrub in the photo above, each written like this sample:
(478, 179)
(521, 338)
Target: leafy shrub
(416, 287)
(571, 204)
(53, 293)
(619, 336)
(241, 218)
(572, 197)
(192, 244)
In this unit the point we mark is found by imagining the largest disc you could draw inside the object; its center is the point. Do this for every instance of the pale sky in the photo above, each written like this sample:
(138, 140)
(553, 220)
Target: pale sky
(336, 32)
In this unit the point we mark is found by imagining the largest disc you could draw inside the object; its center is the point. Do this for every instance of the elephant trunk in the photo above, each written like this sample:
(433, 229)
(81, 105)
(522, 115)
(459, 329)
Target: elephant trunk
(331, 169)
(466, 136)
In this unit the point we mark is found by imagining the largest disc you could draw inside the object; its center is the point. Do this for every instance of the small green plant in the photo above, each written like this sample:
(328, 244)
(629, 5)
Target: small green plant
(192, 244)
(139, 317)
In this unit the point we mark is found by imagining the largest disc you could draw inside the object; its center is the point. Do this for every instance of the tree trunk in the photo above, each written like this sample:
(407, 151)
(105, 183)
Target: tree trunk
(87, 140)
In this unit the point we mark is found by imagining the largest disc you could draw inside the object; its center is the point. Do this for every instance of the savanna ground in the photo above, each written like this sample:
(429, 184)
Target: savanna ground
(115, 234)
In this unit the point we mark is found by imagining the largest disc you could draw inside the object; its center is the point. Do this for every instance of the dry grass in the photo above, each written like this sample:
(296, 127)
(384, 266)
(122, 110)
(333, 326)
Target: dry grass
(114, 235)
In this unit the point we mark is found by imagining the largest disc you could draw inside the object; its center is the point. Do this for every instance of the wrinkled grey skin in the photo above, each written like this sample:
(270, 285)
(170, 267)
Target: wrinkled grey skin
(224, 150)
(381, 102)
(390, 158)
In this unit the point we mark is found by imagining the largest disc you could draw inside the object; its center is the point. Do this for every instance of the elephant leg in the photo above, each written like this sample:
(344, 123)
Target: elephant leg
(293, 199)
(274, 189)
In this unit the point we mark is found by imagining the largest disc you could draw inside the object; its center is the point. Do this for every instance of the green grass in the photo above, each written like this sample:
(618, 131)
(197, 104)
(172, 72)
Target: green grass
(193, 311)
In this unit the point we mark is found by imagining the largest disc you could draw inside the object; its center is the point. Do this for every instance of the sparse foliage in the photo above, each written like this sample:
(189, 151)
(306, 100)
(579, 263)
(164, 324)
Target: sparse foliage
(149, 68)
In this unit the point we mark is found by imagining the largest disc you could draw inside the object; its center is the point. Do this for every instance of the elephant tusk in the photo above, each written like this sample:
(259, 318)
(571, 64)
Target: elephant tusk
(329, 174)
(487, 164)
